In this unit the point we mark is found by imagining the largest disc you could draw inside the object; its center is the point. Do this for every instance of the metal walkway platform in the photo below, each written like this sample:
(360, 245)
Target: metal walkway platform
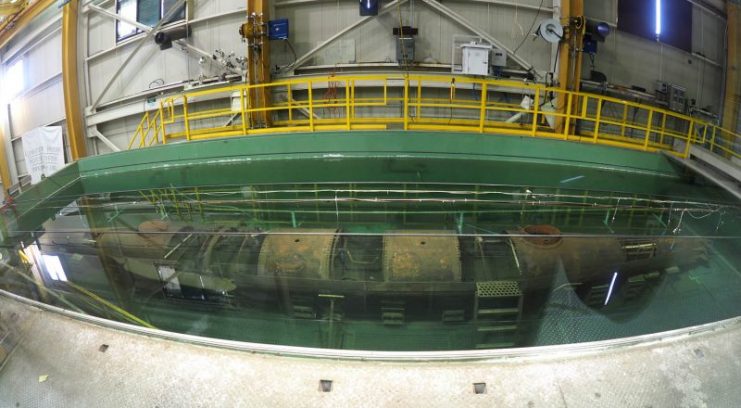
(724, 173)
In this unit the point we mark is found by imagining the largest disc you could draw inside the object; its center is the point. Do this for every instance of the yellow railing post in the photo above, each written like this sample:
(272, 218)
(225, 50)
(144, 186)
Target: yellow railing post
(385, 92)
(243, 109)
(536, 109)
(290, 105)
(597, 120)
(311, 106)
(689, 140)
(584, 106)
(143, 139)
(156, 128)
(649, 125)
(418, 108)
(482, 111)
(406, 102)
(607, 129)
(185, 117)
(137, 133)
(347, 105)
(352, 100)
(567, 121)
(704, 133)
(162, 123)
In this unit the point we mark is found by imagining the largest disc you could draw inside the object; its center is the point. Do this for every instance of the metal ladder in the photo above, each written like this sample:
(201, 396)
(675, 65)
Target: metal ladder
(497, 313)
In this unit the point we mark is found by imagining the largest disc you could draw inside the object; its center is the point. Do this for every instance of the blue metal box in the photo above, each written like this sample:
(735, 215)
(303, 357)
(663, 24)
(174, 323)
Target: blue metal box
(278, 29)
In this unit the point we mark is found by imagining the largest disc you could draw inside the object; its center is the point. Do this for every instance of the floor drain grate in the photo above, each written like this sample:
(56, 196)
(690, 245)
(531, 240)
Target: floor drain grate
(325, 385)
(479, 388)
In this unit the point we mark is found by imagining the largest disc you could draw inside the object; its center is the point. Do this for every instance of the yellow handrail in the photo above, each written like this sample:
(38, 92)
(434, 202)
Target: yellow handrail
(151, 123)
(432, 102)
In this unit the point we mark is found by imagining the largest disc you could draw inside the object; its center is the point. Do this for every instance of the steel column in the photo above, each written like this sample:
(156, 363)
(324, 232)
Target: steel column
(255, 31)
(12, 25)
(569, 55)
(75, 128)
(732, 102)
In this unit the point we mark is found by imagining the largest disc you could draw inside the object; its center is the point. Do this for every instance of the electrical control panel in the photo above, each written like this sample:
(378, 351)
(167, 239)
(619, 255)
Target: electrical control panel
(278, 29)
(476, 58)
(674, 96)
(499, 58)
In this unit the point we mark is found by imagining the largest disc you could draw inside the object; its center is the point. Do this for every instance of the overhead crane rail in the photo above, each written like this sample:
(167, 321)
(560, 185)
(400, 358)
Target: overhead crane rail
(431, 103)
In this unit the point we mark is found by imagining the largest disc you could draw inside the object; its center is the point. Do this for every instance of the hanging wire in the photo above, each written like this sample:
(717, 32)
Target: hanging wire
(529, 31)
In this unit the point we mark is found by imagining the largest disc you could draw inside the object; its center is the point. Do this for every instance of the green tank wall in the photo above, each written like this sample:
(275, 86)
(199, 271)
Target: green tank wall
(392, 157)
(384, 157)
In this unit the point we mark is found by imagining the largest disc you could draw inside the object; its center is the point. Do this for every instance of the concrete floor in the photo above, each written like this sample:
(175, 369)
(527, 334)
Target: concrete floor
(60, 361)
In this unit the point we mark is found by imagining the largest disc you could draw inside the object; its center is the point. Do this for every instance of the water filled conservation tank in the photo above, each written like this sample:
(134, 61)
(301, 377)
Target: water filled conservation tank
(425, 242)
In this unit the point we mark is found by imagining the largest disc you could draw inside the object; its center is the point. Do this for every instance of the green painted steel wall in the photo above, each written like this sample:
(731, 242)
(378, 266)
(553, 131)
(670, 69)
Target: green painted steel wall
(380, 156)
(387, 157)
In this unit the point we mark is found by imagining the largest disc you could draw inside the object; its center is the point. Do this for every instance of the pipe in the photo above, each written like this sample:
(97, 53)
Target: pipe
(70, 82)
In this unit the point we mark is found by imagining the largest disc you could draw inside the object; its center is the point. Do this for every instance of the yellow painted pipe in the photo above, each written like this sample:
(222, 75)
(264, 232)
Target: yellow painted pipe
(70, 82)
(20, 20)
(8, 8)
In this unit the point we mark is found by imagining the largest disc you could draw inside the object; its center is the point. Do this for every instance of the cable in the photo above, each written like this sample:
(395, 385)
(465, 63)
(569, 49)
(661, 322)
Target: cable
(293, 51)
(157, 82)
(558, 53)
(404, 57)
(529, 31)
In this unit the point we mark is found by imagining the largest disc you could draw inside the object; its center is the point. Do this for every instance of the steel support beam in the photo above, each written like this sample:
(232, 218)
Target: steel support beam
(287, 3)
(732, 102)
(173, 9)
(511, 4)
(118, 17)
(96, 133)
(70, 82)
(709, 8)
(12, 25)
(306, 57)
(9, 8)
(447, 12)
(146, 28)
(192, 23)
(34, 39)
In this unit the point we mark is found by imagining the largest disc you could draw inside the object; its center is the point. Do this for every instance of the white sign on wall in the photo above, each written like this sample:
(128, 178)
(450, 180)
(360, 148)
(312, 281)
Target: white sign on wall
(43, 149)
